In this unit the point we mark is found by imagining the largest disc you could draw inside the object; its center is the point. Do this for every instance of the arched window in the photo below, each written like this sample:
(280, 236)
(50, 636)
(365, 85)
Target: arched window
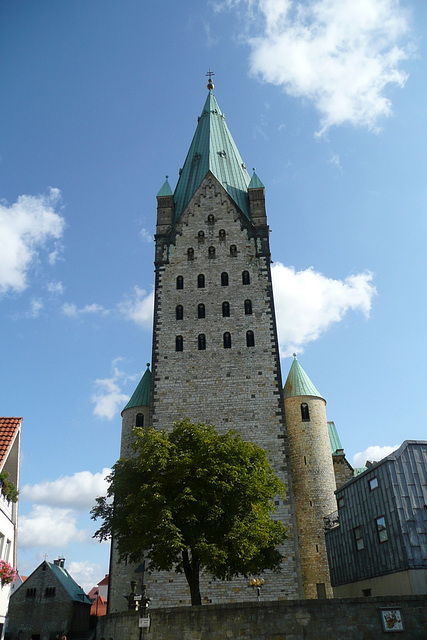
(201, 236)
(201, 341)
(179, 312)
(250, 340)
(190, 253)
(179, 282)
(201, 281)
(305, 414)
(248, 307)
(233, 250)
(227, 340)
(139, 420)
(211, 252)
(224, 279)
(201, 313)
(211, 219)
(222, 234)
(179, 343)
(225, 309)
(246, 278)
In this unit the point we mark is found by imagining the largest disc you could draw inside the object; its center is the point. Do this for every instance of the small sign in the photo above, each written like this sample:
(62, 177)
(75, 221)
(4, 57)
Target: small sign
(144, 623)
(137, 598)
(392, 620)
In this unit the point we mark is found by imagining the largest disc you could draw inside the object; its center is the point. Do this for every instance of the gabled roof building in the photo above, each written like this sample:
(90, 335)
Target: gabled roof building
(378, 543)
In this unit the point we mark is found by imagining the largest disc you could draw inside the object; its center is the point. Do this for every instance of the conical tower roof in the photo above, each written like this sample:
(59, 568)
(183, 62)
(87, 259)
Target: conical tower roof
(213, 149)
(141, 395)
(298, 383)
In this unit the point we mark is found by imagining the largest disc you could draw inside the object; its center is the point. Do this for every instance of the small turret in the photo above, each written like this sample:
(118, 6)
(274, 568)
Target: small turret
(256, 192)
(136, 413)
(313, 477)
(165, 208)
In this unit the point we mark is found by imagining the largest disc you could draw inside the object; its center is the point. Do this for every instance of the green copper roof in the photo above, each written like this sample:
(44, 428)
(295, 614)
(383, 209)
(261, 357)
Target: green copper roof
(213, 149)
(141, 395)
(165, 190)
(334, 438)
(255, 182)
(70, 585)
(298, 383)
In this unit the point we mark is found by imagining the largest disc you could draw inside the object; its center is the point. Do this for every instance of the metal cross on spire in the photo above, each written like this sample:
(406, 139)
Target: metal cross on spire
(210, 83)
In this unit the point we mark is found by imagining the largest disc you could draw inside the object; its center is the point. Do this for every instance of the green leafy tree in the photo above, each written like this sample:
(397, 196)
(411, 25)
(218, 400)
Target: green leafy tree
(194, 500)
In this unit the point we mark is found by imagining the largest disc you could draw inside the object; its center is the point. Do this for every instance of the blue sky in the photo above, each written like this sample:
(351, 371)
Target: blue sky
(326, 98)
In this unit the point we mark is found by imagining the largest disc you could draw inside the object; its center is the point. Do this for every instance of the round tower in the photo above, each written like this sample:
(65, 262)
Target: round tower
(136, 413)
(312, 476)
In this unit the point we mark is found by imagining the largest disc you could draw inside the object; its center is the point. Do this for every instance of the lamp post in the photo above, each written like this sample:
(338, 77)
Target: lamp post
(257, 582)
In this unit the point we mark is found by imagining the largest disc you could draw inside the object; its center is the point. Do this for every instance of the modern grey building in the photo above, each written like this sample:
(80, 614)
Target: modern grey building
(377, 542)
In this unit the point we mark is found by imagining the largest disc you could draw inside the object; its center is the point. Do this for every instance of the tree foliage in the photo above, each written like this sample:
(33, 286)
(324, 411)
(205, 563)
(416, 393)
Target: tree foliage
(194, 500)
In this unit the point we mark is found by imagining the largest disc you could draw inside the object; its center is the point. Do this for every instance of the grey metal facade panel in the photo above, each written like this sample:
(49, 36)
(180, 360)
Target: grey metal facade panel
(400, 497)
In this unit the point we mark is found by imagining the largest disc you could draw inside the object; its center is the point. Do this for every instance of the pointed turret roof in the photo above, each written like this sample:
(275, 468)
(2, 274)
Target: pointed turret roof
(255, 182)
(141, 395)
(165, 190)
(213, 149)
(298, 383)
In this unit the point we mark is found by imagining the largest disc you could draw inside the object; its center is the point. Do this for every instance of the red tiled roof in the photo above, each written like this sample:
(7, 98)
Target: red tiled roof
(103, 581)
(99, 607)
(8, 430)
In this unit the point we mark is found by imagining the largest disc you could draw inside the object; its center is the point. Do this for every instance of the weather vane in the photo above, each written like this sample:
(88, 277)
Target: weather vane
(210, 83)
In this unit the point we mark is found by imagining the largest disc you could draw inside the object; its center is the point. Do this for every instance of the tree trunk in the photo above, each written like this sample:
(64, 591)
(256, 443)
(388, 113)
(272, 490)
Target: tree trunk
(192, 573)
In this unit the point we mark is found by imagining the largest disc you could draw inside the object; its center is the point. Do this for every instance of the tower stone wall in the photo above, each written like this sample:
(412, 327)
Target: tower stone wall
(314, 485)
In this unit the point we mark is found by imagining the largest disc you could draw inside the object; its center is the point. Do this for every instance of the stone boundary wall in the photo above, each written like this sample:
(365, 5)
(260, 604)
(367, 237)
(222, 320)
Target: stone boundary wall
(338, 619)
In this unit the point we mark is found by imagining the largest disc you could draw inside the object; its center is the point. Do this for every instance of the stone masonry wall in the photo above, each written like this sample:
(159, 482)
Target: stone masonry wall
(233, 388)
(341, 619)
(314, 485)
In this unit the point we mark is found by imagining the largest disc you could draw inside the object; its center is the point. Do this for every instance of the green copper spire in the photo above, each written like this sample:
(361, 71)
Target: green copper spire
(298, 383)
(141, 395)
(165, 190)
(213, 149)
(255, 182)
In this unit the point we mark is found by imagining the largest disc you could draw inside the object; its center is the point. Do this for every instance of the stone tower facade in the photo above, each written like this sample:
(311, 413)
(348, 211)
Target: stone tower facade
(312, 475)
(215, 355)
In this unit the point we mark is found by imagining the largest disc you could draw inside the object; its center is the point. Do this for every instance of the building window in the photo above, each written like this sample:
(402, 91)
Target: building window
(224, 279)
(179, 312)
(305, 413)
(250, 339)
(139, 420)
(222, 234)
(366, 593)
(49, 592)
(373, 483)
(358, 538)
(248, 307)
(179, 282)
(245, 277)
(381, 529)
(227, 340)
(201, 236)
(201, 312)
(233, 250)
(225, 309)
(31, 592)
(200, 281)
(201, 341)
(190, 253)
(211, 219)
(211, 252)
(340, 502)
(179, 343)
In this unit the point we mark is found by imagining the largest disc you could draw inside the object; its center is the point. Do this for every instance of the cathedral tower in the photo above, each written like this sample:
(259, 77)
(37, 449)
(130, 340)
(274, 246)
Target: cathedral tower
(312, 475)
(215, 355)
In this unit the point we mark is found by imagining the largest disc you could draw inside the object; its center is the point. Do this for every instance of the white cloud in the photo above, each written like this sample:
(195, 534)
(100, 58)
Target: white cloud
(341, 55)
(36, 305)
(48, 526)
(25, 229)
(139, 308)
(108, 397)
(55, 288)
(72, 311)
(308, 303)
(86, 574)
(77, 492)
(373, 454)
(146, 235)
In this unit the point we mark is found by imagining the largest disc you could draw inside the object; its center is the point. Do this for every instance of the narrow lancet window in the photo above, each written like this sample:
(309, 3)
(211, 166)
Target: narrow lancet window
(179, 343)
(211, 252)
(179, 312)
(225, 309)
(201, 342)
(227, 340)
(250, 339)
(248, 308)
(246, 278)
(190, 253)
(305, 413)
(201, 312)
(139, 420)
(179, 282)
(224, 279)
(233, 250)
(200, 281)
